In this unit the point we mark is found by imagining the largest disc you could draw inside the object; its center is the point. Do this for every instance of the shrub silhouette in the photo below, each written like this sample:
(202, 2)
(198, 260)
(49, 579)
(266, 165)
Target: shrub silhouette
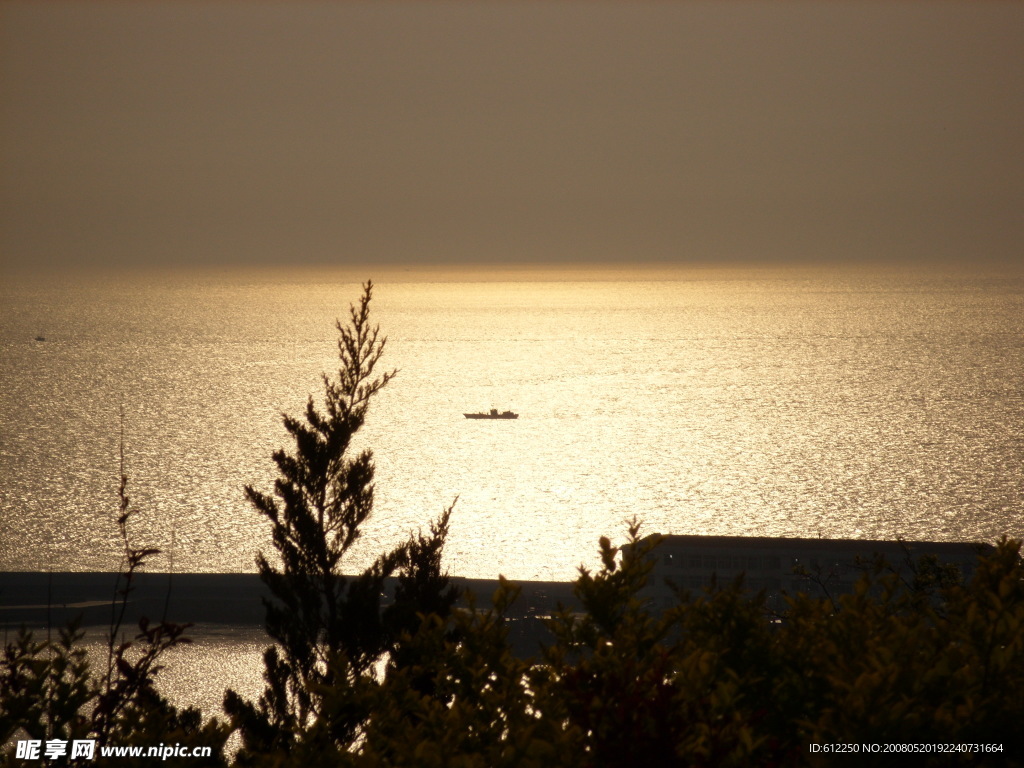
(50, 691)
(717, 680)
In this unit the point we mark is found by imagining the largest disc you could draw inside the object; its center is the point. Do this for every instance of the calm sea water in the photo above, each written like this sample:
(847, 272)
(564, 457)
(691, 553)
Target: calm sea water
(789, 403)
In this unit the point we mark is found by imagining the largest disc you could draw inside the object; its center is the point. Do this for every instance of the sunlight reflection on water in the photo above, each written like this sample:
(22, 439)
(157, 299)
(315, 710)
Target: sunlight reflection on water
(840, 405)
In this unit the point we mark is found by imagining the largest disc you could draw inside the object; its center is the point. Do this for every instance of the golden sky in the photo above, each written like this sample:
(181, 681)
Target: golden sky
(278, 133)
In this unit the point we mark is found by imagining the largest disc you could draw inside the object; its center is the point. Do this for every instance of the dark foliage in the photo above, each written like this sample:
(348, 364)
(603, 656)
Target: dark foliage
(718, 680)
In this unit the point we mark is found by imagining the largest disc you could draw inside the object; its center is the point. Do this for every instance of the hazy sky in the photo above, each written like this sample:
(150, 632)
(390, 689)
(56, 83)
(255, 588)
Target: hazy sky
(343, 132)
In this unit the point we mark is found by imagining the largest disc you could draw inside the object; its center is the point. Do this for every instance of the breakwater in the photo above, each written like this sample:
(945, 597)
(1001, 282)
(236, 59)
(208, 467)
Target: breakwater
(38, 599)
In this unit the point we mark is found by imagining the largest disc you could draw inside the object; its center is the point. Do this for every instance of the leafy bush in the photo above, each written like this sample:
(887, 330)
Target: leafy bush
(717, 680)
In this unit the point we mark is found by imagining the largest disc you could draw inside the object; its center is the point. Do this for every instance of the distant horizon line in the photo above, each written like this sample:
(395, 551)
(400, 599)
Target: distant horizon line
(523, 271)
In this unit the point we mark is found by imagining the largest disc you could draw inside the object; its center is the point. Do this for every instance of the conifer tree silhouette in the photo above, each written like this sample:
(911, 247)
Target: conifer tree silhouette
(331, 630)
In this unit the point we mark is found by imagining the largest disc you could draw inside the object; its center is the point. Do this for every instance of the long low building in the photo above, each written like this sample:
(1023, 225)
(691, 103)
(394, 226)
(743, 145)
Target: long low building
(782, 566)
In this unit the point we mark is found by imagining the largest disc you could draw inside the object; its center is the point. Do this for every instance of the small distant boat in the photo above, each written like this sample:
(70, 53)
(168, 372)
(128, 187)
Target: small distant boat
(40, 338)
(492, 415)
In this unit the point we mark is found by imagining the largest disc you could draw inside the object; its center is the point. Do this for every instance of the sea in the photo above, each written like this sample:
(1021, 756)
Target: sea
(867, 402)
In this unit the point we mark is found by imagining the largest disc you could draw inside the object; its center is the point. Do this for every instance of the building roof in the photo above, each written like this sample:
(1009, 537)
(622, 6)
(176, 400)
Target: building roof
(946, 548)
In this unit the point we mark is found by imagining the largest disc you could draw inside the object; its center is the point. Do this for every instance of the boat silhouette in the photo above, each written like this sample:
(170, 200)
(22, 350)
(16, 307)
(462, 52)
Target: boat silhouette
(492, 415)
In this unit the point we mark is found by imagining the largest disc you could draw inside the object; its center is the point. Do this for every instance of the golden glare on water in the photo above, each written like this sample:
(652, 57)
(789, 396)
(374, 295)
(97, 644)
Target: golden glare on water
(791, 403)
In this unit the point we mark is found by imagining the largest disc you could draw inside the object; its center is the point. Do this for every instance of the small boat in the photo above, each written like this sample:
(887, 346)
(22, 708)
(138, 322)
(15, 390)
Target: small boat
(492, 415)
(40, 338)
